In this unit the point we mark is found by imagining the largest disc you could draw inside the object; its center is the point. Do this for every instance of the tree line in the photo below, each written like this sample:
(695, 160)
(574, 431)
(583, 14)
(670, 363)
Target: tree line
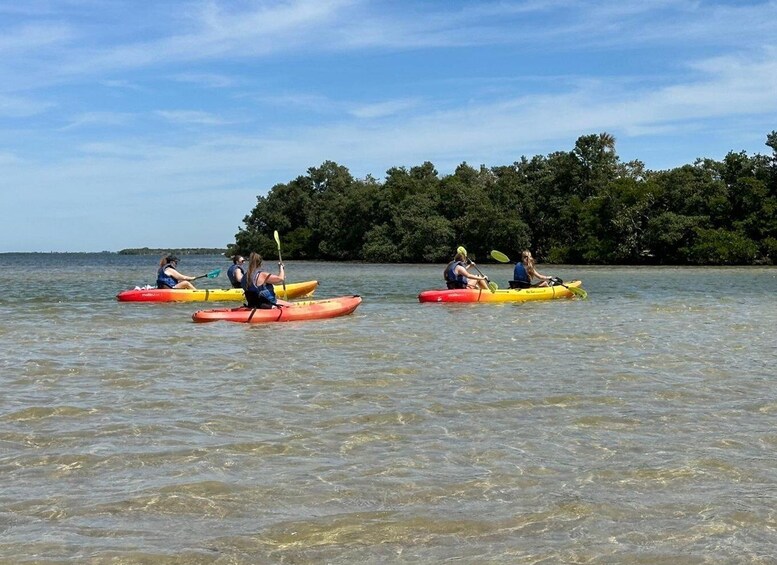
(582, 206)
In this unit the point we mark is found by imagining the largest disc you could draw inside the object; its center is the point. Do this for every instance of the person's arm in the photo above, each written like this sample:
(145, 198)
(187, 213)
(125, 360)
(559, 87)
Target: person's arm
(536, 274)
(178, 276)
(467, 274)
(279, 278)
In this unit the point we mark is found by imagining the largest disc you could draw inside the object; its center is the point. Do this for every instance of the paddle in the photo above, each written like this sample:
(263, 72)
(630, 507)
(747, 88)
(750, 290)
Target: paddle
(502, 258)
(499, 256)
(492, 286)
(212, 275)
(280, 259)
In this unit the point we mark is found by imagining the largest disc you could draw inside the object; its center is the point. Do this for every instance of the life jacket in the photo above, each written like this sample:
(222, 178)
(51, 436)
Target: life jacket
(231, 275)
(259, 296)
(452, 280)
(520, 274)
(163, 280)
(520, 277)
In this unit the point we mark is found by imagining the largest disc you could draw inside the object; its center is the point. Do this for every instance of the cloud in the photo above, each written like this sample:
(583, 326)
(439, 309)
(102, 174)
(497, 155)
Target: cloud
(19, 107)
(33, 37)
(120, 84)
(383, 109)
(209, 80)
(190, 117)
(98, 119)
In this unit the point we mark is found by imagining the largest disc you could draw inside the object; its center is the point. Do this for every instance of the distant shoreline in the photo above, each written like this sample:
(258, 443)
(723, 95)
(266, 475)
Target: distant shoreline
(173, 251)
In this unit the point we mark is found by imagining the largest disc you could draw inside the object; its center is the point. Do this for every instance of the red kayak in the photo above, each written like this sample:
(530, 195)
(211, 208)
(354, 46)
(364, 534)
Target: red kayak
(297, 311)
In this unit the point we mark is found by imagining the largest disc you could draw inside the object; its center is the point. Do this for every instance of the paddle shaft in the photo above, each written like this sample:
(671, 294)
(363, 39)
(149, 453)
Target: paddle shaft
(212, 275)
(280, 260)
(491, 286)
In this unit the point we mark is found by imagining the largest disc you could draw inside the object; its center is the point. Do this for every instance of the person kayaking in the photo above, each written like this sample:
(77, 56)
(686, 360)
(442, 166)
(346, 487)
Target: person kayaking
(258, 284)
(168, 276)
(457, 276)
(235, 273)
(524, 273)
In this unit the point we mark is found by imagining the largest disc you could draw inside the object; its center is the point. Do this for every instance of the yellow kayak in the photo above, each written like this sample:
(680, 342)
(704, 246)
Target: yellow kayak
(501, 295)
(293, 290)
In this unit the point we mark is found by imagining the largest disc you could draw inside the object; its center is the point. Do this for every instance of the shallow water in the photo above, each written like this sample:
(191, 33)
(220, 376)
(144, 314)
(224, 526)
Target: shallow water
(638, 426)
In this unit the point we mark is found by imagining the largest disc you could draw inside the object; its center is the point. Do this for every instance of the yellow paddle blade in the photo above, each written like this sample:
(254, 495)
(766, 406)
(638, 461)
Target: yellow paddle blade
(577, 291)
(499, 256)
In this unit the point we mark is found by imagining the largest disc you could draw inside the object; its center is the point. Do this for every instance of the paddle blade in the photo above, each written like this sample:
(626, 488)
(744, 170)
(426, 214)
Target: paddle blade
(499, 256)
(212, 275)
(579, 292)
(493, 287)
(277, 238)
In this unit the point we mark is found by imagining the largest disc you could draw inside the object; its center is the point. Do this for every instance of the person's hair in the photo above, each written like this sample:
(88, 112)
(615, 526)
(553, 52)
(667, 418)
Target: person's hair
(254, 264)
(460, 257)
(526, 257)
(167, 259)
(237, 258)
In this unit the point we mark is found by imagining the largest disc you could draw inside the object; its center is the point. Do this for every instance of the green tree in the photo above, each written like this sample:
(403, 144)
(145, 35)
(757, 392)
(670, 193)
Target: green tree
(578, 206)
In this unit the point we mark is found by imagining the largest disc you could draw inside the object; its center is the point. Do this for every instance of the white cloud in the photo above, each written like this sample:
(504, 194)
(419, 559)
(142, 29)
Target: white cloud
(191, 117)
(383, 109)
(209, 80)
(18, 107)
(98, 119)
(30, 38)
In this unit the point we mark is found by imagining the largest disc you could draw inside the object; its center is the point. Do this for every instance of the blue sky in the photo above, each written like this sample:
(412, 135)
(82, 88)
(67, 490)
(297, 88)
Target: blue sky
(132, 124)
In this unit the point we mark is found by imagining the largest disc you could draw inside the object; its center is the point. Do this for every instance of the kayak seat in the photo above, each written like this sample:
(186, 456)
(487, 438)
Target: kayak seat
(518, 284)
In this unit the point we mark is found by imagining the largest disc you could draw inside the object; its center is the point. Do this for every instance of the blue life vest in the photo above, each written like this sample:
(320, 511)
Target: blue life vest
(231, 275)
(259, 296)
(520, 274)
(163, 280)
(454, 280)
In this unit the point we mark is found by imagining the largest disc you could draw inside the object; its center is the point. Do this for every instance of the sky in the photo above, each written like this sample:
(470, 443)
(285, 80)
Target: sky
(157, 124)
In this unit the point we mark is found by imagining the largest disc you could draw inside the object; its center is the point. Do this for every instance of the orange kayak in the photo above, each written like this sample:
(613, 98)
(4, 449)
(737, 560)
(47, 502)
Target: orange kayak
(296, 312)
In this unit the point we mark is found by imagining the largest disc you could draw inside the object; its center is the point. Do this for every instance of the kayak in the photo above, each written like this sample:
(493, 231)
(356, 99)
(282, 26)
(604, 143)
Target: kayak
(501, 295)
(297, 312)
(293, 290)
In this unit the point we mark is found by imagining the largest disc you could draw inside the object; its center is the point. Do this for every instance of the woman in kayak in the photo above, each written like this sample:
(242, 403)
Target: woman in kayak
(524, 273)
(258, 284)
(457, 275)
(235, 273)
(168, 277)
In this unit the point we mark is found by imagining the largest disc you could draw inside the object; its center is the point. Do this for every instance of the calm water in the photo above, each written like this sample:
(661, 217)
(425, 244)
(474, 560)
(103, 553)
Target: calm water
(638, 426)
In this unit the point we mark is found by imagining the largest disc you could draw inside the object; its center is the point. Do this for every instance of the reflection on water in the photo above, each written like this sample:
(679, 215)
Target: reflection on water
(637, 426)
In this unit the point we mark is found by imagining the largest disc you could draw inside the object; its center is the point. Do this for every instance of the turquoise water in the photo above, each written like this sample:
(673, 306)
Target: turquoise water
(638, 426)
